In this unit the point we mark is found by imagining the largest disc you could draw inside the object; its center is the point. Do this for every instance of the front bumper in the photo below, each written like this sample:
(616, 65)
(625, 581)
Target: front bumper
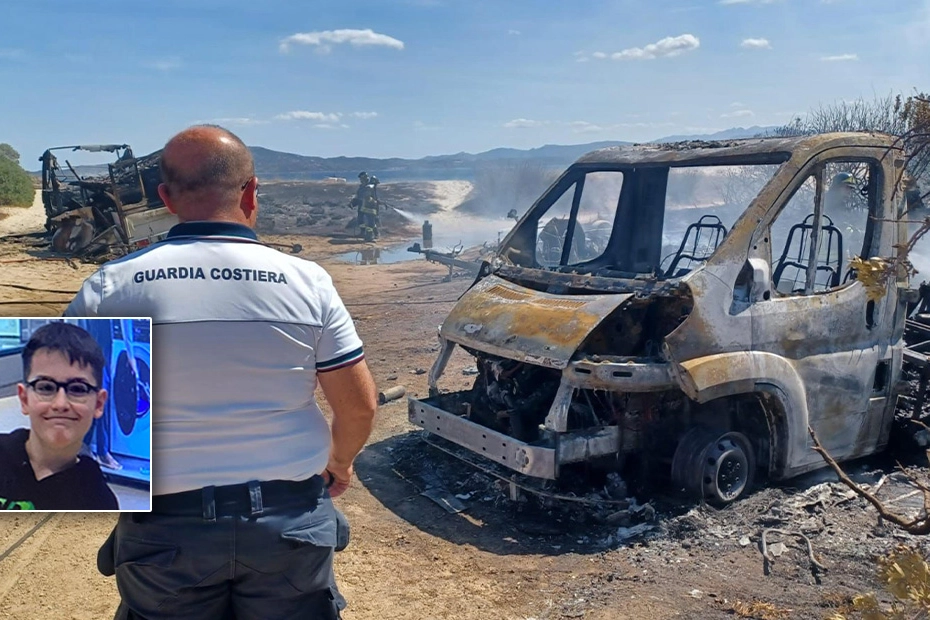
(539, 461)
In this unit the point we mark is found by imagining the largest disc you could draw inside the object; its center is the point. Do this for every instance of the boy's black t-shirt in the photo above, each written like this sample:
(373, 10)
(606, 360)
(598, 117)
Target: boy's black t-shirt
(80, 487)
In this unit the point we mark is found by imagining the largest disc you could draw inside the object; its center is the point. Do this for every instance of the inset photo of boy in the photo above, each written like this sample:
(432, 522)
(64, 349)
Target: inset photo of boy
(75, 414)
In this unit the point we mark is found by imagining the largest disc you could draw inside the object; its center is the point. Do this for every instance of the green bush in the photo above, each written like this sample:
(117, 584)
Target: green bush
(9, 152)
(15, 184)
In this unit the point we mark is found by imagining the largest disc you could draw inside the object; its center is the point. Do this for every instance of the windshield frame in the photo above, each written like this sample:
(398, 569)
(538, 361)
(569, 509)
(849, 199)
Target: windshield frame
(520, 242)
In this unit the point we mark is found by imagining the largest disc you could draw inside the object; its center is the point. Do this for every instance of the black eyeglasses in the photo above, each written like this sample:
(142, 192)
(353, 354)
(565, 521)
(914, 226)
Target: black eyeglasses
(76, 390)
(246, 184)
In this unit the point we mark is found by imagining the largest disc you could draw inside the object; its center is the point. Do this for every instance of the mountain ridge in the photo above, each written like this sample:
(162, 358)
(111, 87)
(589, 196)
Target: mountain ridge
(284, 166)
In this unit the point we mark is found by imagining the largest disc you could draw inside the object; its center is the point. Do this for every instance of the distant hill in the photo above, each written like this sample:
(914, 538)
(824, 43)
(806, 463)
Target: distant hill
(278, 165)
(547, 152)
(735, 133)
(289, 166)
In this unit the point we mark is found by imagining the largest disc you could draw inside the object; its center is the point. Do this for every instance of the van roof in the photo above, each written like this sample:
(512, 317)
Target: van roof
(744, 151)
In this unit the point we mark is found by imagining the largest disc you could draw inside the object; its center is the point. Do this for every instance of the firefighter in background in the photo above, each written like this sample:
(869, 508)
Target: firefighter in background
(366, 204)
(361, 192)
(359, 197)
(366, 200)
(842, 196)
(373, 209)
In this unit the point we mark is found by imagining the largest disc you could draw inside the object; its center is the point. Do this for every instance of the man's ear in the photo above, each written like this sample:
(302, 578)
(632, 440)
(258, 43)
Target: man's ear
(165, 198)
(248, 204)
(23, 398)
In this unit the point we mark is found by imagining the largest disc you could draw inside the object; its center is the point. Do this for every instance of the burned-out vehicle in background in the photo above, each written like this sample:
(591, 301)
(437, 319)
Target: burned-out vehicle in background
(682, 313)
(115, 212)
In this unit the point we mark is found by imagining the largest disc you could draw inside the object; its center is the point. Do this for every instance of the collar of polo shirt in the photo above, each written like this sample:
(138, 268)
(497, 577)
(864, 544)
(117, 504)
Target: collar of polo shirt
(211, 229)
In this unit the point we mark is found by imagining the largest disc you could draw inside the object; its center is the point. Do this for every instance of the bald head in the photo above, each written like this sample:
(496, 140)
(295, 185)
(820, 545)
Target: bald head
(205, 170)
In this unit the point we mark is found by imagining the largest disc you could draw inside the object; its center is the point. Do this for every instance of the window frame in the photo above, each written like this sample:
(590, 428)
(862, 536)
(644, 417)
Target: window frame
(818, 166)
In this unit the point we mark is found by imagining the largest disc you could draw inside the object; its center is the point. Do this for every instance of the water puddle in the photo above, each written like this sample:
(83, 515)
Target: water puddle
(374, 255)
(450, 231)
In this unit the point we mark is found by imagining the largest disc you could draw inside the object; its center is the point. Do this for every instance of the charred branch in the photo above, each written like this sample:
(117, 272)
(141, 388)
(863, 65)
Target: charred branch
(917, 526)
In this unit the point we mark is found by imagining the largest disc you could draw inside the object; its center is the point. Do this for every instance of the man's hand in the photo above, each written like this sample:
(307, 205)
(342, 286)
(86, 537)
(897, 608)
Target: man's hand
(337, 479)
(352, 395)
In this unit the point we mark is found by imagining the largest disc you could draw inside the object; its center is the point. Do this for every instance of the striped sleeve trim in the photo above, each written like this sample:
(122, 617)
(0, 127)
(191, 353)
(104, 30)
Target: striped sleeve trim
(352, 357)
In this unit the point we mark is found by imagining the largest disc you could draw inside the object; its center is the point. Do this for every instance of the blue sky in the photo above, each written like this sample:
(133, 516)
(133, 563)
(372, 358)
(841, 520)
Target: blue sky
(410, 78)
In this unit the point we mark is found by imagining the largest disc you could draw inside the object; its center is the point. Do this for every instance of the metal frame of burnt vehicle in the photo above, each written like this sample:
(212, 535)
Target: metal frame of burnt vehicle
(602, 344)
(120, 211)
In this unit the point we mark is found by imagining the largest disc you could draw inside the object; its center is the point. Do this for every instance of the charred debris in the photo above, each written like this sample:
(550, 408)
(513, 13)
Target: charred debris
(111, 211)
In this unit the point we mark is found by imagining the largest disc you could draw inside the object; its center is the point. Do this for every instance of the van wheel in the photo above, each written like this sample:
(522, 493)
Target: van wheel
(713, 466)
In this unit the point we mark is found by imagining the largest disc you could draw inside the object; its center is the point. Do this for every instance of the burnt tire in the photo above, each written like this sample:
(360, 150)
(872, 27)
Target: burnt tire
(713, 466)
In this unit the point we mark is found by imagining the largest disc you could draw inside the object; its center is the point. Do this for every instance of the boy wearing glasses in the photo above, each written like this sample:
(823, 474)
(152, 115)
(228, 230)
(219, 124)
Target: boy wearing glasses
(39, 467)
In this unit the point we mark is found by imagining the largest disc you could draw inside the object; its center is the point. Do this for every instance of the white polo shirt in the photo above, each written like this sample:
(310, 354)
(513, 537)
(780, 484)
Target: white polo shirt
(239, 331)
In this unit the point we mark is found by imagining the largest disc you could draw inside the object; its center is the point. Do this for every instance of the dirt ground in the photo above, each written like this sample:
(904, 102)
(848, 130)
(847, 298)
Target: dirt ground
(514, 560)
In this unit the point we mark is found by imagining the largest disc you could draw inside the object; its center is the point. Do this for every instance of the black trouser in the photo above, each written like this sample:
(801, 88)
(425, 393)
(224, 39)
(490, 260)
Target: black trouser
(255, 557)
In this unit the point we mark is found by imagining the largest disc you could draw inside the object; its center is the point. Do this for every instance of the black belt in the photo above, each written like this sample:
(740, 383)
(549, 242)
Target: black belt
(251, 498)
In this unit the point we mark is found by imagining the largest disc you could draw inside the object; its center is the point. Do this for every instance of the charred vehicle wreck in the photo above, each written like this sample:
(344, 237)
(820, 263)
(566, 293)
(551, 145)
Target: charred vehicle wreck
(116, 212)
(681, 313)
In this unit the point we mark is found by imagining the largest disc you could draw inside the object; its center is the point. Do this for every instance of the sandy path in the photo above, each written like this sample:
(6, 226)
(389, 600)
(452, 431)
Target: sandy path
(452, 227)
(18, 221)
(450, 194)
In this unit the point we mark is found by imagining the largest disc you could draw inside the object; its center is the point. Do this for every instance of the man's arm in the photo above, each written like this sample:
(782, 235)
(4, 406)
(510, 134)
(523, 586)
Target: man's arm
(87, 300)
(351, 393)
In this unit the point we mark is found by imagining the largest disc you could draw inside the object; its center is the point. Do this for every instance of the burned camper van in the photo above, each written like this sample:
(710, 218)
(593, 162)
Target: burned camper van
(117, 210)
(682, 313)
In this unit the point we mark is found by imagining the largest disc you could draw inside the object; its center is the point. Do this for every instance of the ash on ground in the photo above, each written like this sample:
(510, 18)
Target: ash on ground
(836, 521)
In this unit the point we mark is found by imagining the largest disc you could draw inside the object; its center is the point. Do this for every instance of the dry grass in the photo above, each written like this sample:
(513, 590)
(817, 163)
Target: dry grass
(758, 610)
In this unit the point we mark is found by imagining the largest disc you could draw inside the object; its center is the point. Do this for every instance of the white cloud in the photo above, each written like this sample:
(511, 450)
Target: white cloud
(325, 39)
(585, 127)
(304, 115)
(365, 115)
(164, 64)
(516, 33)
(523, 123)
(738, 114)
(665, 48)
(599, 55)
(840, 58)
(331, 126)
(756, 44)
(737, 104)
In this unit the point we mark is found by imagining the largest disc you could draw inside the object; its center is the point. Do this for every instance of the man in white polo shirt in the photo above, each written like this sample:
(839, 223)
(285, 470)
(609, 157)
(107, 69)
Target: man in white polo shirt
(242, 522)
